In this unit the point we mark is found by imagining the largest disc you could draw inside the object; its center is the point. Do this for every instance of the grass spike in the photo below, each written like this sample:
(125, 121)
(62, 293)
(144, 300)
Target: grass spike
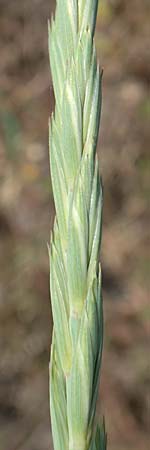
(75, 273)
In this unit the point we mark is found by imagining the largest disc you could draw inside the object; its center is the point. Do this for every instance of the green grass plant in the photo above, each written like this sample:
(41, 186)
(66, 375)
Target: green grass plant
(75, 272)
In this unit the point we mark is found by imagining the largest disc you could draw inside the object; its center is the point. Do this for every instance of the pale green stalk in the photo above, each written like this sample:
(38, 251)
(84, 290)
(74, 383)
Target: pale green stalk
(75, 274)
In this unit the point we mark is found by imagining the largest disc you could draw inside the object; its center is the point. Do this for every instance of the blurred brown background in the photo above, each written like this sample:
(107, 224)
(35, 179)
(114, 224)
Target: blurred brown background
(27, 211)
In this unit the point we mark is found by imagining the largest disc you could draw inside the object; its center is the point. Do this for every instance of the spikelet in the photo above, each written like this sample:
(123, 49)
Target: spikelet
(75, 274)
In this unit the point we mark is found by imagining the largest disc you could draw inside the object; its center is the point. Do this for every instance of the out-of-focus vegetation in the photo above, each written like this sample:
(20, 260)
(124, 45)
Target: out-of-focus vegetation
(27, 211)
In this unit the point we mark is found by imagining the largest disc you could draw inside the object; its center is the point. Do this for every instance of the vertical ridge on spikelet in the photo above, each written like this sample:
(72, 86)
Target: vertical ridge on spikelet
(75, 274)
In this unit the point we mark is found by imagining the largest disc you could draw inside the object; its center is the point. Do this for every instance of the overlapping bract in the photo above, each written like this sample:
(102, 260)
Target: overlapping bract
(75, 278)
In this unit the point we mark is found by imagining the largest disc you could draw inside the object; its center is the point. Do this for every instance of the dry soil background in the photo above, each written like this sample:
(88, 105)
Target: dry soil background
(27, 211)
